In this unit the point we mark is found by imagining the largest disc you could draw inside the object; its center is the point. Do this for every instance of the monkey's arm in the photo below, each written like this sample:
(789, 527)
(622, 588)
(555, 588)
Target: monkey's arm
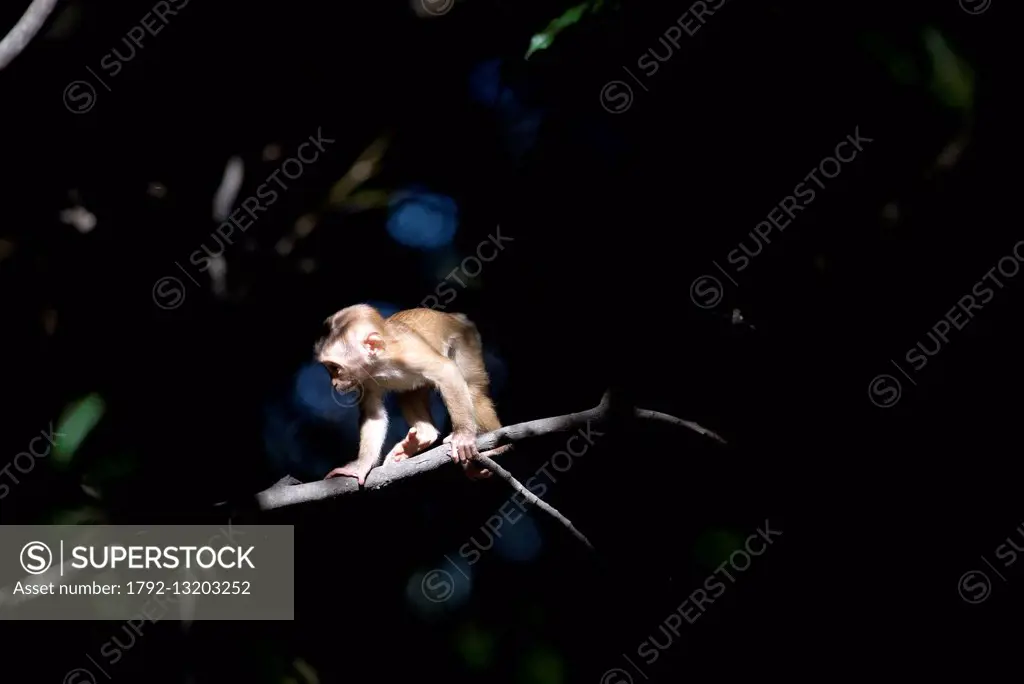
(459, 402)
(373, 430)
(446, 376)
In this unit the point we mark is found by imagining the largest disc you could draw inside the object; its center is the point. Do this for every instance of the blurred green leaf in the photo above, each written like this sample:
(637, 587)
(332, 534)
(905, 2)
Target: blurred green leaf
(542, 666)
(75, 423)
(952, 79)
(544, 39)
(307, 672)
(476, 646)
(714, 546)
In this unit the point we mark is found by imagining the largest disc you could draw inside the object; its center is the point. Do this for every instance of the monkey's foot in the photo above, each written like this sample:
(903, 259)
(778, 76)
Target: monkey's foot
(416, 440)
(476, 472)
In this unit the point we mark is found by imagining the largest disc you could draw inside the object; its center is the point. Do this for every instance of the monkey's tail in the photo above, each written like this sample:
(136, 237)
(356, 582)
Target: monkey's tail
(470, 332)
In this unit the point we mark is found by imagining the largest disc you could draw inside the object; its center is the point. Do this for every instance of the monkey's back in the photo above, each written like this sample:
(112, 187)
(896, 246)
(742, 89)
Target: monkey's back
(439, 328)
(455, 337)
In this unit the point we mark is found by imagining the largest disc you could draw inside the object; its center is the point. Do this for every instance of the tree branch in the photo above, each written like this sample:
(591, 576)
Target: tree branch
(25, 30)
(282, 495)
(532, 498)
(645, 414)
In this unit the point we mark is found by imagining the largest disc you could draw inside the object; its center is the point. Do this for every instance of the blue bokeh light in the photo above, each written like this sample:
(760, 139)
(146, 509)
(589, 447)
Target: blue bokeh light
(421, 219)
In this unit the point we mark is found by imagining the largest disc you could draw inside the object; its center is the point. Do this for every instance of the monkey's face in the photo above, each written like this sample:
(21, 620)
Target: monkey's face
(346, 364)
(344, 384)
(342, 380)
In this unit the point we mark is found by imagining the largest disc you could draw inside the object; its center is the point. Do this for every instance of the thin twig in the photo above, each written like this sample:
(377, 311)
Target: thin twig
(25, 30)
(647, 414)
(532, 498)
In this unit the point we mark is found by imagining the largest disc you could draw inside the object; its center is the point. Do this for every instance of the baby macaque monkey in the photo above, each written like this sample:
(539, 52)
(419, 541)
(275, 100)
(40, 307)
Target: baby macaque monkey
(410, 352)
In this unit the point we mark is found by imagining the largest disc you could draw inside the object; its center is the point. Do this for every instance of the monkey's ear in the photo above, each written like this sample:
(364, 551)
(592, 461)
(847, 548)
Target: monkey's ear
(374, 342)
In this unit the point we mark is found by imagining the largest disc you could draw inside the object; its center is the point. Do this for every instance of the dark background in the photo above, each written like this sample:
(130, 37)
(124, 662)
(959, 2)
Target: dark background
(180, 415)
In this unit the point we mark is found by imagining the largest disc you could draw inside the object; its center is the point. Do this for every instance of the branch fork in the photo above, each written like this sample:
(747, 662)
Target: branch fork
(492, 444)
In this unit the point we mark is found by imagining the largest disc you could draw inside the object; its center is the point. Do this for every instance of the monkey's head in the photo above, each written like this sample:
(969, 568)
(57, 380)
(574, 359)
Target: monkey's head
(352, 346)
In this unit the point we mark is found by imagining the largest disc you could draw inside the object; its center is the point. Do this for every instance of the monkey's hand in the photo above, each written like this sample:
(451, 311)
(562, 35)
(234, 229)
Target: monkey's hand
(463, 447)
(464, 452)
(354, 469)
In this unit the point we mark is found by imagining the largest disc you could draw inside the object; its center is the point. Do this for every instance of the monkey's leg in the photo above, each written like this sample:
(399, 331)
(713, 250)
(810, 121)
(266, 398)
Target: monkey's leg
(415, 407)
(486, 421)
(486, 416)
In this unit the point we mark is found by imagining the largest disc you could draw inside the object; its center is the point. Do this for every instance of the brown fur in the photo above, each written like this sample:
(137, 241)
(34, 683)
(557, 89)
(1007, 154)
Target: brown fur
(415, 350)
